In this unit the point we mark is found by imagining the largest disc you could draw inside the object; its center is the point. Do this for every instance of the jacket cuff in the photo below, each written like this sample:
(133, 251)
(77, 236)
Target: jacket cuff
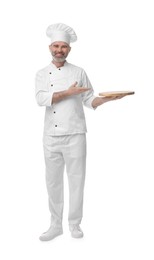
(88, 103)
(44, 99)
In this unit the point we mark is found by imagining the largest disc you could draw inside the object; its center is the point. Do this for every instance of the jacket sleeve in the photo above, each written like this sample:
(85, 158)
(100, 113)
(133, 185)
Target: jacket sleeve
(42, 93)
(88, 96)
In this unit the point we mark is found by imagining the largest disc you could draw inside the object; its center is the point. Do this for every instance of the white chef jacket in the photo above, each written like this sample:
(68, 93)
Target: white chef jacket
(67, 116)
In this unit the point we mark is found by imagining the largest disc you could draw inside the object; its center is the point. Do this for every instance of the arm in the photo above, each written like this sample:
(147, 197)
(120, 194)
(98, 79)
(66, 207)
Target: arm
(89, 99)
(72, 90)
(42, 94)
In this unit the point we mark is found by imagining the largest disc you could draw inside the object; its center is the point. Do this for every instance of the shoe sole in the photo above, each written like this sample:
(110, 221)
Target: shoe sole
(49, 238)
(80, 236)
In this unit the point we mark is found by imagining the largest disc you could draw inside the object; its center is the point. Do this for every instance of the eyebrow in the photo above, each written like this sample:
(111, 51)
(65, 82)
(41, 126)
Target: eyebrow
(64, 45)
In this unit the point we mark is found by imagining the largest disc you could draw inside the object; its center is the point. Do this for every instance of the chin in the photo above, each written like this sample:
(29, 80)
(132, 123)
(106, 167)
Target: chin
(59, 59)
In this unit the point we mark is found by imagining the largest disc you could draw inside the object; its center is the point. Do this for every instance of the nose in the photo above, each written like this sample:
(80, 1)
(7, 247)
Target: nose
(59, 49)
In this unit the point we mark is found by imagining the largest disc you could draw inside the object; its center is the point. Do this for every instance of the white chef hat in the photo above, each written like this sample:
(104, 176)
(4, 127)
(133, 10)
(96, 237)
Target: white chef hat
(61, 32)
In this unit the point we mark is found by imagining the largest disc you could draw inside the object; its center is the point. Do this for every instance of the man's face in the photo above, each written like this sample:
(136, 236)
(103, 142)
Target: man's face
(59, 51)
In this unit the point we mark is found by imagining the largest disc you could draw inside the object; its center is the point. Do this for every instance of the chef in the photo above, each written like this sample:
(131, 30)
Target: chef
(63, 89)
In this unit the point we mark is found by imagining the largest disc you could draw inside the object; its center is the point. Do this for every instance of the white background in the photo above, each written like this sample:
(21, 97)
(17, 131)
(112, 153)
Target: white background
(116, 48)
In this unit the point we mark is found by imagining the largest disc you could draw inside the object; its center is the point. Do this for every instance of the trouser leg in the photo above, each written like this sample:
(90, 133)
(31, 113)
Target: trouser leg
(75, 159)
(54, 181)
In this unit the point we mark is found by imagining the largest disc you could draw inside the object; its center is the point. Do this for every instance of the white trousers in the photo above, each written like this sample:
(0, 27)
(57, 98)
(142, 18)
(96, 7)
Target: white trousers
(69, 150)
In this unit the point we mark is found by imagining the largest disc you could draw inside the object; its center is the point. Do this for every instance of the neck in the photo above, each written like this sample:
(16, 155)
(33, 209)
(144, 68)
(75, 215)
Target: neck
(58, 63)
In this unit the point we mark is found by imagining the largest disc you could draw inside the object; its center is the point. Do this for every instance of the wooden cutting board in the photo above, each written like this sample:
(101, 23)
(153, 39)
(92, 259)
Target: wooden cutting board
(116, 93)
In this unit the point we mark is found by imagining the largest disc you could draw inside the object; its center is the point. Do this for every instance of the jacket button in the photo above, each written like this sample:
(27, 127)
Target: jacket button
(59, 69)
(50, 72)
(55, 125)
(51, 85)
(54, 112)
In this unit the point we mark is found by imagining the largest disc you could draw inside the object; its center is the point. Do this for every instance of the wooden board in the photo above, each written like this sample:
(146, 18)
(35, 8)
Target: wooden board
(116, 93)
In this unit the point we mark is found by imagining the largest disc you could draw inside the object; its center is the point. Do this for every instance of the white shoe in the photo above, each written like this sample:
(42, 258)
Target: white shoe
(51, 233)
(76, 231)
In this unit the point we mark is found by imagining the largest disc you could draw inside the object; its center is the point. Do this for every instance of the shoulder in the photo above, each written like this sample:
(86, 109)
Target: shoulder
(43, 71)
(75, 67)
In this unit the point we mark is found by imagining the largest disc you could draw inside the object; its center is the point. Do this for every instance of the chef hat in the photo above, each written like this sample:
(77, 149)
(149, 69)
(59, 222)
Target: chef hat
(61, 32)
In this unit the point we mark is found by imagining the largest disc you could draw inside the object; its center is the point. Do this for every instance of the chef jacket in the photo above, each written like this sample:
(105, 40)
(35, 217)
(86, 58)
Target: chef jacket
(65, 117)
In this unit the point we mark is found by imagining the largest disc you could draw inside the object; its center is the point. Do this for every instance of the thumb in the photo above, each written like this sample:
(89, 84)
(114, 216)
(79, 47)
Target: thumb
(75, 84)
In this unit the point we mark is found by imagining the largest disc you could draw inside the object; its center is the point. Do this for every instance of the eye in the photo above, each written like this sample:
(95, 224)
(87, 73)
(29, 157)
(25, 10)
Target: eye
(65, 47)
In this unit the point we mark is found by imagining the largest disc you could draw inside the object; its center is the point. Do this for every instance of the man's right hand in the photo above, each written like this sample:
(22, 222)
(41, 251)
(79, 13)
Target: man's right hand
(74, 90)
